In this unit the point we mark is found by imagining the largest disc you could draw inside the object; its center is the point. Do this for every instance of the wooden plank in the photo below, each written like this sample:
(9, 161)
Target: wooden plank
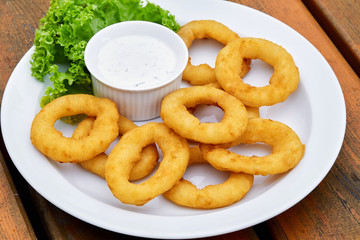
(14, 221)
(340, 20)
(331, 211)
(18, 21)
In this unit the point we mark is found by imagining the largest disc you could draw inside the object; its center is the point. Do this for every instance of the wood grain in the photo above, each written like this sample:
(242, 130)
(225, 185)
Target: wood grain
(14, 221)
(340, 21)
(18, 21)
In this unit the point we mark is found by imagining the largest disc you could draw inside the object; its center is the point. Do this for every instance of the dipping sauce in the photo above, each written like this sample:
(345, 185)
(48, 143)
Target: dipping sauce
(136, 61)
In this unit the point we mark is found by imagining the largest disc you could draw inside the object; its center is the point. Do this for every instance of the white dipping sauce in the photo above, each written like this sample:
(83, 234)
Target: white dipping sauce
(136, 61)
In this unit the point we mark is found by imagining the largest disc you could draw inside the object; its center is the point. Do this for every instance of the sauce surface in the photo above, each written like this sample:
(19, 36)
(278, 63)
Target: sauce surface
(136, 61)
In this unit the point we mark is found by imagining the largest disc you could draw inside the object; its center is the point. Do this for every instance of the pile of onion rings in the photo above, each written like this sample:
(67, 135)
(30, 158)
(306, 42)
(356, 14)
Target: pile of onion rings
(232, 64)
(182, 138)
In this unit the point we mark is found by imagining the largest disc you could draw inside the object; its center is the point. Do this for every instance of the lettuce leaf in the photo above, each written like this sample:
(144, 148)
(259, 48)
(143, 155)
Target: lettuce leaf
(64, 32)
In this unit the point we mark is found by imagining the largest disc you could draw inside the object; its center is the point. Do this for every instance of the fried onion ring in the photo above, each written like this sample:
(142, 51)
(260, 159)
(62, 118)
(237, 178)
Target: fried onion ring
(175, 114)
(51, 142)
(204, 29)
(287, 149)
(283, 82)
(96, 165)
(184, 193)
(127, 152)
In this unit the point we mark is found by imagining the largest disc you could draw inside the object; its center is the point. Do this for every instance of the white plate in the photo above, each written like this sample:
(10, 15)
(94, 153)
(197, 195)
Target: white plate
(316, 111)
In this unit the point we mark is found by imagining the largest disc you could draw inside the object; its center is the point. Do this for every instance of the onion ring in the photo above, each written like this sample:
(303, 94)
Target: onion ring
(286, 153)
(127, 152)
(96, 165)
(184, 193)
(175, 114)
(203, 29)
(49, 141)
(283, 82)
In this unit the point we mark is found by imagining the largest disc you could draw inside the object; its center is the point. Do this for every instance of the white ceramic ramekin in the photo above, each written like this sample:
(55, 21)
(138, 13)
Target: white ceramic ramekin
(136, 104)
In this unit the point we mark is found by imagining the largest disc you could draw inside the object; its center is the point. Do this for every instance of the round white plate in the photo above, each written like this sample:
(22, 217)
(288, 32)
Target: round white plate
(316, 111)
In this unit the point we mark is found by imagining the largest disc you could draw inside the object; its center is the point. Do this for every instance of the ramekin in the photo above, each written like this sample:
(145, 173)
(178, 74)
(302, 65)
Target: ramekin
(136, 104)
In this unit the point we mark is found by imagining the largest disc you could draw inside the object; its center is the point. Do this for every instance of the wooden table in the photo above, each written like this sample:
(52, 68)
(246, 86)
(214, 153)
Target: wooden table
(331, 211)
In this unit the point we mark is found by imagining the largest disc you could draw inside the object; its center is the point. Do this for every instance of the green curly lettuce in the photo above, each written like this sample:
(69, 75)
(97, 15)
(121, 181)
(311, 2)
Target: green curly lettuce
(64, 32)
